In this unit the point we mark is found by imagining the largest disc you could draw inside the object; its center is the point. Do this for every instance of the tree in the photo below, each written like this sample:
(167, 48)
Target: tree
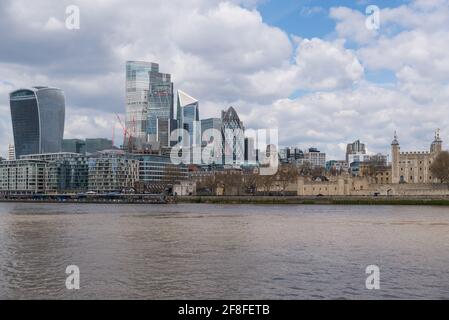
(232, 182)
(266, 182)
(305, 169)
(440, 167)
(207, 184)
(250, 182)
(287, 174)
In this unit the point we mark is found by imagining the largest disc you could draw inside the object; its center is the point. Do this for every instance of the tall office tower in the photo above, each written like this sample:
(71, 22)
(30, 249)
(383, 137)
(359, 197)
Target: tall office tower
(233, 137)
(137, 87)
(160, 105)
(215, 151)
(210, 123)
(355, 148)
(188, 117)
(37, 116)
(11, 152)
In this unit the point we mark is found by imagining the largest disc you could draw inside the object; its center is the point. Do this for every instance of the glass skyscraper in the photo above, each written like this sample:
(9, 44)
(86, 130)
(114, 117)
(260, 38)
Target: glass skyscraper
(38, 116)
(137, 87)
(149, 97)
(160, 104)
(233, 137)
(188, 117)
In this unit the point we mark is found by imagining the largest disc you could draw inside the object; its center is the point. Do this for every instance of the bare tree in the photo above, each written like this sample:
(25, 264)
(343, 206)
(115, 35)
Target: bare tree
(305, 169)
(266, 182)
(208, 183)
(250, 182)
(231, 181)
(287, 174)
(440, 167)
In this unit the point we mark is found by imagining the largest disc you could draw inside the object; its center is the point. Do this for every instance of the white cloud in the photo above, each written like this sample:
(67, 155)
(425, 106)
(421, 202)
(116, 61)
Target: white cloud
(223, 53)
(324, 65)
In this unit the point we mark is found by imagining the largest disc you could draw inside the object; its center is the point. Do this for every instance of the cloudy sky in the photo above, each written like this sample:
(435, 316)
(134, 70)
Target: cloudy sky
(311, 68)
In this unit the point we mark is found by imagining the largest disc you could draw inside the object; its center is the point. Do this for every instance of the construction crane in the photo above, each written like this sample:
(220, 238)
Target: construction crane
(126, 133)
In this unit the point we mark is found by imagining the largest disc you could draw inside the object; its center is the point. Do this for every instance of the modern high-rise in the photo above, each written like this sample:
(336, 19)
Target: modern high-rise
(188, 117)
(215, 148)
(315, 157)
(11, 152)
(210, 123)
(137, 87)
(160, 106)
(233, 137)
(355, 149)
(38, 116)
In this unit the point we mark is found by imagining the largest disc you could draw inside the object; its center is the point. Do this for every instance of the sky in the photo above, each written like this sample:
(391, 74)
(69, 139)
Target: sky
(311, 68)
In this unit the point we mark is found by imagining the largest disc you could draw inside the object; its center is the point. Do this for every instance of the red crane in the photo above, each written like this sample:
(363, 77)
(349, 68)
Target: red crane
(125, 132)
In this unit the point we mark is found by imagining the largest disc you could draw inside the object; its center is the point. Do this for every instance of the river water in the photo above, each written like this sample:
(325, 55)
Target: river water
(200, 251)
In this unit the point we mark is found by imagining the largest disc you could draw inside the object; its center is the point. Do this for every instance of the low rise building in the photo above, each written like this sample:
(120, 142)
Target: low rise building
(112, 171)
(22, 176)
(65, 172)
(314, 157)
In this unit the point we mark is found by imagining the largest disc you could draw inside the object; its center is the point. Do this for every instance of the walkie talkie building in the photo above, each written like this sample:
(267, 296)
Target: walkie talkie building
(38, 116)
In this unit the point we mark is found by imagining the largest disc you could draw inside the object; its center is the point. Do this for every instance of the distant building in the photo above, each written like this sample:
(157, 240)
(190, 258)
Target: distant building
(188, 118)
(98, 144)
(11, 152)
(160, 107)
(355, 148)
(233, 137)
(22, 176)
(37, 116)
(74, 146)
(315, 157)
(414, 167)
(164, 129)
(137, 89)
(86, 146)
(215, 149)
(112, 171)
(338, 166)
(157, 172)
(210, 123)
(64, 172)
(290, 154)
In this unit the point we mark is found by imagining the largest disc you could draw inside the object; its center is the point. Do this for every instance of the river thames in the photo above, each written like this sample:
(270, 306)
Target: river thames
(201, 251)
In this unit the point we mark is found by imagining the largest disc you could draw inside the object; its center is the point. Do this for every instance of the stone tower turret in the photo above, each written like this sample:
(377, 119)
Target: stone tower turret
(395, 150)
(437, 144)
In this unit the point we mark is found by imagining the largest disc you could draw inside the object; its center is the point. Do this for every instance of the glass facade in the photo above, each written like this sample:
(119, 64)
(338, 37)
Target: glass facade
(137, 87)
(160, 104)
(149, 96)
(38, 116)
(233, 137)
(65, 172)
(188, 117)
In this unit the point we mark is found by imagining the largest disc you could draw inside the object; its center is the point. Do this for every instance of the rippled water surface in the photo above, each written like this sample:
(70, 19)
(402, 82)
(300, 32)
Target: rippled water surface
(192, 251)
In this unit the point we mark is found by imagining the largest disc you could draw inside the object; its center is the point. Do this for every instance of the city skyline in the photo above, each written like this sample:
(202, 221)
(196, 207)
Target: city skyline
(356, 88)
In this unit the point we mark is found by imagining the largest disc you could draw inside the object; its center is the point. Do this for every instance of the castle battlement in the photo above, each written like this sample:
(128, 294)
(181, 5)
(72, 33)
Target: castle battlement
(411, 153)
